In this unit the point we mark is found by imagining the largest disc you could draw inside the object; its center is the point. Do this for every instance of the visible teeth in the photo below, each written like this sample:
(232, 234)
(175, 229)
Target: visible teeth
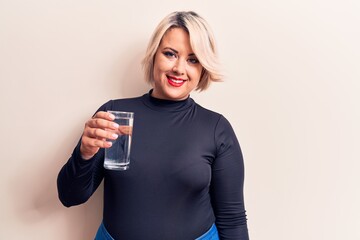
(176, 81)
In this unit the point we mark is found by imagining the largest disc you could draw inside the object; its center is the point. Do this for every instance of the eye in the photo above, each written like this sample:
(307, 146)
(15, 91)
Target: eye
(169, 54)
(193, 60)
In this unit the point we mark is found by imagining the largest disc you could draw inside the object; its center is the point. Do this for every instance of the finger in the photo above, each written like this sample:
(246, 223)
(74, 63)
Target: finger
(104, 115)
(102, 144)
(94, 143)
(101, 123)
(125, 130)
(100, 134)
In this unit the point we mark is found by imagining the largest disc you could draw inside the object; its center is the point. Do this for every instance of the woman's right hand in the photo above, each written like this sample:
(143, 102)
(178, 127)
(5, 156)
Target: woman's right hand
(97, 131)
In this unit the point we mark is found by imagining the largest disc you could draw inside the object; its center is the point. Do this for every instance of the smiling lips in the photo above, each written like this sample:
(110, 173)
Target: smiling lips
(175, 82)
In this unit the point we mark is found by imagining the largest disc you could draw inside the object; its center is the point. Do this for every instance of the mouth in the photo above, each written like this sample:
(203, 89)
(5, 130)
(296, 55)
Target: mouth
(174, 81)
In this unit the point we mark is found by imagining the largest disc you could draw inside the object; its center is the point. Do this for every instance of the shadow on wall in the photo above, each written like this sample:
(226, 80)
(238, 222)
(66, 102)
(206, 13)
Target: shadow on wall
(34, 190)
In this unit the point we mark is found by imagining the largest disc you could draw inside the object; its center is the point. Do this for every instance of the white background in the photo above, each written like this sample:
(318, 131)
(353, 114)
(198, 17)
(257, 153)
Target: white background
(291, 93)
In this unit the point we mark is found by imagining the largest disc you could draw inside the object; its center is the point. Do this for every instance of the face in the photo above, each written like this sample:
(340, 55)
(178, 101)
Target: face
(177, 71)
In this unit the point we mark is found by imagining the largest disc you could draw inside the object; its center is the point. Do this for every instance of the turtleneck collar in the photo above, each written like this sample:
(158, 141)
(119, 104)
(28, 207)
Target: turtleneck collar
(163, 105)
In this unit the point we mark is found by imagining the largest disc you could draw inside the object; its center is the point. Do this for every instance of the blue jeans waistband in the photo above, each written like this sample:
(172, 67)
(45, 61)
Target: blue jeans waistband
(211, 234)
(102, 233)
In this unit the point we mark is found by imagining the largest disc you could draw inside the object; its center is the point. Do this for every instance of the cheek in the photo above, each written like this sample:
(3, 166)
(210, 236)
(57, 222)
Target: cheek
(157, 69)
(161, 66)
(195, 73)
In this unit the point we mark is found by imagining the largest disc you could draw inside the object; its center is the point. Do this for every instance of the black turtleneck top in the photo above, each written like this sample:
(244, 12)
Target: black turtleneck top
(186, 172)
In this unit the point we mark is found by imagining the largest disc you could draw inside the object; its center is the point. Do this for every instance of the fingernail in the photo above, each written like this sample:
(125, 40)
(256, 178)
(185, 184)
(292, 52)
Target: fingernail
(115, 136)
(108, 144)
(116, 125)
(111, 116)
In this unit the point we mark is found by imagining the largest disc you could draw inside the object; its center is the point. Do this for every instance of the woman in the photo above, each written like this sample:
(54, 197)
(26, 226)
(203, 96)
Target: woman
(186, 174)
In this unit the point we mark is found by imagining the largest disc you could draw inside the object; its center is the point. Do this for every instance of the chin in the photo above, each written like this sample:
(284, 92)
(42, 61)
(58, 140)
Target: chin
(175, 95)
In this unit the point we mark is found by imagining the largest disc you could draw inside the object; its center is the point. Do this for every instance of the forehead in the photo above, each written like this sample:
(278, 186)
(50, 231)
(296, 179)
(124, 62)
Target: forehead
(176, 38)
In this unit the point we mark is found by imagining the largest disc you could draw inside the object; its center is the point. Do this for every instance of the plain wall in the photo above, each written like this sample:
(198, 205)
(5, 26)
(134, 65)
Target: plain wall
(291, 92)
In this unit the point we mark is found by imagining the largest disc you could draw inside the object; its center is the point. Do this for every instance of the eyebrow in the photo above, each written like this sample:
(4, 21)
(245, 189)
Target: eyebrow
(191, 54)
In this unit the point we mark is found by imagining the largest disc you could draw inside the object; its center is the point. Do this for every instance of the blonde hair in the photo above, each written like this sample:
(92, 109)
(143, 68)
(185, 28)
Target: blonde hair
(202, 42)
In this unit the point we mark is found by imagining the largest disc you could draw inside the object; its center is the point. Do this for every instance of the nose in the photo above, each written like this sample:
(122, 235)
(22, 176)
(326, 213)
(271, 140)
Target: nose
(179, 67)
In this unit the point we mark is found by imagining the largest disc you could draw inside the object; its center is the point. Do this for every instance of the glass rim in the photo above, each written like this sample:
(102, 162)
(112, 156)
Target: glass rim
(120, 112)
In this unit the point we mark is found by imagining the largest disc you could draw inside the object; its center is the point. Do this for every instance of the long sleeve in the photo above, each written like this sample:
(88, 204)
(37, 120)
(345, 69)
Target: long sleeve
(227, 185)
(186, 173)
(78, 179)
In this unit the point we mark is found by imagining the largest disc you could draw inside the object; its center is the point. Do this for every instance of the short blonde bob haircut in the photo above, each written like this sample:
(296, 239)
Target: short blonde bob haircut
(202, 42)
